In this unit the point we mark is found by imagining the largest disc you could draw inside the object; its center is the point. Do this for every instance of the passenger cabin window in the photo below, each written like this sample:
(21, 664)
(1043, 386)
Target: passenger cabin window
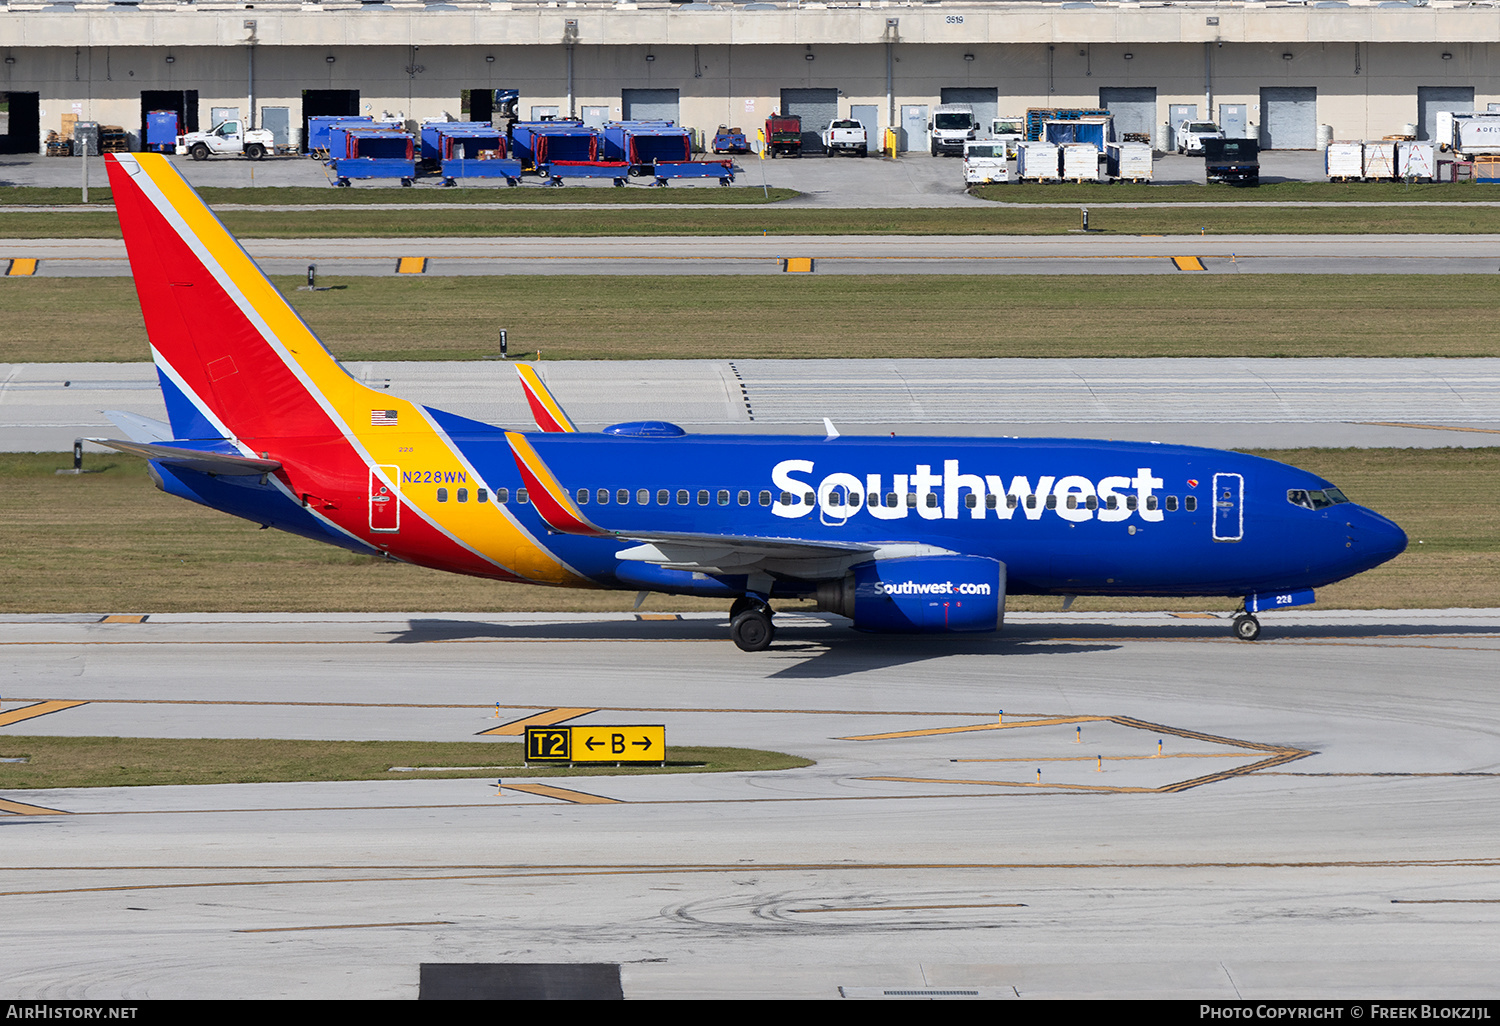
(663, 496)
(643, 497)
(1171, 503)
(583, 496)
(463, 495)
(483, 495)
(703, 496)
(442, 495)
(603, 496)
(723, 496)
(622, 496)
(765, 498)
(682, 497)
(744, 498)
(1190, 503)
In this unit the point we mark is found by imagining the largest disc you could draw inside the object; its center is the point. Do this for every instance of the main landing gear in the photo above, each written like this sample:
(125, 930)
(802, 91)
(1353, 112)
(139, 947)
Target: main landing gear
(1246, 627)
(750, 625)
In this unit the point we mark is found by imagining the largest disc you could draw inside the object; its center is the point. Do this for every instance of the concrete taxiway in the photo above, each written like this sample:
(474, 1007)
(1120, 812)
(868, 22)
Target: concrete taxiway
(831, 254)
(1159, 811)
(1226, 402)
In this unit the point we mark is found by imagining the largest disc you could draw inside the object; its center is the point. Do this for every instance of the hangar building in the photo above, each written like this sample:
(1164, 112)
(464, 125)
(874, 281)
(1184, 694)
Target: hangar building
(1271, 70)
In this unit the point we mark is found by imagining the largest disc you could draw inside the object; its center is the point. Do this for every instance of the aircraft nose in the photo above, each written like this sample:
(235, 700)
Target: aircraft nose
(1376, 538)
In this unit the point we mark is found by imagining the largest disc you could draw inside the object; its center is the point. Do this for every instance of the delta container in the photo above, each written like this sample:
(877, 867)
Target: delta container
(1129, 161)
(1080, 162)
(1344, 161)
(1416, 160)
(1036, 161)
(1380, 160)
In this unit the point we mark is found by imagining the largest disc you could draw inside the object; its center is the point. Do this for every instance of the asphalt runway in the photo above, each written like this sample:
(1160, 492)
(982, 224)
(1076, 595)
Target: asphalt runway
(831, 255)
(1160, 811)
(1265, 403)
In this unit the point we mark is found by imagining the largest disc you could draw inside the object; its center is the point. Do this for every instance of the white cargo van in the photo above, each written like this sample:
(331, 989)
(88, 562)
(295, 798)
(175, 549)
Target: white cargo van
(951, 126)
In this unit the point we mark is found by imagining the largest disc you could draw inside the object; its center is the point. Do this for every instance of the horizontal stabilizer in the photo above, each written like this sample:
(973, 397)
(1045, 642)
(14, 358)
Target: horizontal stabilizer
(194, 459)
(140, 429)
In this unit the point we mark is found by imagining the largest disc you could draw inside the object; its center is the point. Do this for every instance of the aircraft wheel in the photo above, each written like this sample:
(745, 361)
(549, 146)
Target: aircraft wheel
(1246, 628)
(751, 631)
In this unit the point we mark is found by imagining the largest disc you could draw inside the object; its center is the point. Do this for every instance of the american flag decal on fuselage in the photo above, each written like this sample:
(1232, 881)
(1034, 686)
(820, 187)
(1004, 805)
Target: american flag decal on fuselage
(382, 418)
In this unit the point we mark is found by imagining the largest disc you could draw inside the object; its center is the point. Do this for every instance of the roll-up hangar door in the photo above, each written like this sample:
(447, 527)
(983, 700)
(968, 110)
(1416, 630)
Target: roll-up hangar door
(1289, 118)
(1431, 99)
(816, 108)
(986, 104)
(649, 105)
(1134, 110)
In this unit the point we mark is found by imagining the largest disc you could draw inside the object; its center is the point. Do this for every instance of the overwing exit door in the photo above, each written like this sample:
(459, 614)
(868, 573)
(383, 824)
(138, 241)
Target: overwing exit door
(385, 499)
(1229, 507)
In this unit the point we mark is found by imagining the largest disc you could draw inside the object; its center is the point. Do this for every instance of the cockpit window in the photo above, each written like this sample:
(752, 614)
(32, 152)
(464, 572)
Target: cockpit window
(1314, 498)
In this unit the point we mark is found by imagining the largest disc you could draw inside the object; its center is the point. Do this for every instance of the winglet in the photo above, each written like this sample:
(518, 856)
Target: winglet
(550, 498)
(549, 415)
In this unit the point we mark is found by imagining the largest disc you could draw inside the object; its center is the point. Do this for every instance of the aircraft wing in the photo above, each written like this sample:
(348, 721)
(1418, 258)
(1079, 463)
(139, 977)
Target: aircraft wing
(229, 464)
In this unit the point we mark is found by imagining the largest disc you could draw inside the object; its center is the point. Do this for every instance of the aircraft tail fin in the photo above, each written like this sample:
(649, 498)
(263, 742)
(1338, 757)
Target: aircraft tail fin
(235, 360)
(546, 409)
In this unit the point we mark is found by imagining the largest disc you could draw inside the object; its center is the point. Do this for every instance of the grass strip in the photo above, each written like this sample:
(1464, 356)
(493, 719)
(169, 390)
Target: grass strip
(1267, 219)
(109, 542)
(611, 317)
(145, 762)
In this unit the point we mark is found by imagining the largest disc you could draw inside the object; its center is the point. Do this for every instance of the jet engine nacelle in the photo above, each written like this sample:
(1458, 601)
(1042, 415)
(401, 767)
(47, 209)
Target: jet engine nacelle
(920, 595)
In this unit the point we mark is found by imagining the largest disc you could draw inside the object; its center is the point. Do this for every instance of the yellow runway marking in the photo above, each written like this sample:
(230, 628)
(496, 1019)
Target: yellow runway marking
(1188, 264)
(977, 726)
(22, 809)
(563, 794)
(1128, 758)
(411, 265)
(125, 618)
(797, 265)
(1428, 427)
(516, 728)
(21, 267)
(908, 908)
(1196, 616)
(28, 712)
(657, 616)
(405, 874)
(343, 926)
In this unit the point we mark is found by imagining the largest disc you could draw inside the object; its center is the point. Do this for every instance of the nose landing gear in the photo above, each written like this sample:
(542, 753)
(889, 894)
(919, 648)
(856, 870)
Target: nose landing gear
(1246, 627)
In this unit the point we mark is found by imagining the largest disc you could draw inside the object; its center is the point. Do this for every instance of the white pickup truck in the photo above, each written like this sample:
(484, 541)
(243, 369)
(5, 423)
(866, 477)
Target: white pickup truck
(845, 135)
(226, 139)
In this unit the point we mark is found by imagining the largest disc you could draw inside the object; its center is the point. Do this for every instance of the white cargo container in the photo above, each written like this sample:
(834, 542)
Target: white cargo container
(1380, 160)
(1416, 160)
(1477, 134)
(1080, 162)
(1129, 161)
(1345, 160)
(1037, 161)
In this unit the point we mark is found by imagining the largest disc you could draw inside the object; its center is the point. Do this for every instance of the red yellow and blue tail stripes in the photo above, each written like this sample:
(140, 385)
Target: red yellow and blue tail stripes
(375, 468)
(546, 409)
